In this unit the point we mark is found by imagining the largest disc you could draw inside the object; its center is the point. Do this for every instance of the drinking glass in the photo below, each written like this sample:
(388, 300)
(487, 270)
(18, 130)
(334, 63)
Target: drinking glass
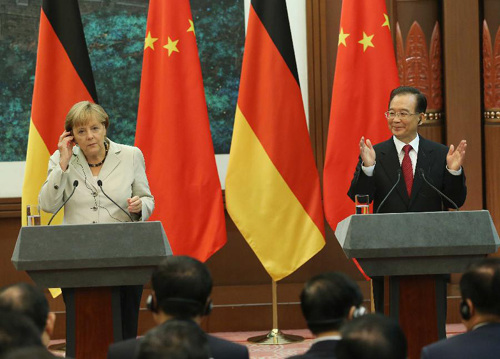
(362, 202)
(33, 213)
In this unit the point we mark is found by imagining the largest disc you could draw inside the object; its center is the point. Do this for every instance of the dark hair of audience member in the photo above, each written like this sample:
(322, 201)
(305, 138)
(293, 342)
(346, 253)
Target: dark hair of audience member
(182, 286)
(175, 339)
(30, 353)
(481, 284)
(421, 106)
(17, 331)
(326, 300)
(372, 336)
(26, 299)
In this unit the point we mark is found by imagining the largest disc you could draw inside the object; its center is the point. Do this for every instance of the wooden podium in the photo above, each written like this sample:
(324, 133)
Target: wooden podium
(414, 249)
(92, 261)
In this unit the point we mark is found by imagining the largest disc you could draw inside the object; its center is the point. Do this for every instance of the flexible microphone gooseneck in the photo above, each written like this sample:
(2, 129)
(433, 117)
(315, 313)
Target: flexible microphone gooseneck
(75, 184)
(390, 191)
(99, 183)
(421, 171)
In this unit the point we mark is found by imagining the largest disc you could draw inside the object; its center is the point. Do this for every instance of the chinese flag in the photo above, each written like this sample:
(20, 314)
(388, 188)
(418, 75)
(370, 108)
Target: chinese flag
(365, 74)
(63, 77)
(272, 184)
(174, 134)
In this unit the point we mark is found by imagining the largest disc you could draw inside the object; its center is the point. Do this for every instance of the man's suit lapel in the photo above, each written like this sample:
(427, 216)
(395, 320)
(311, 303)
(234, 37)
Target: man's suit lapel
(425, 159)
(390, 163)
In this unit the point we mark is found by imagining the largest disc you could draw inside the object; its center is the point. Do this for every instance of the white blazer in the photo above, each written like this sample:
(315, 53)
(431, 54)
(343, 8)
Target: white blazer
(123, 176)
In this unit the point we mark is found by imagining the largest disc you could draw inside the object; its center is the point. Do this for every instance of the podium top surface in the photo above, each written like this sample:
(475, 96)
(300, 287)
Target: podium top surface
(415, 234)
(103, 245)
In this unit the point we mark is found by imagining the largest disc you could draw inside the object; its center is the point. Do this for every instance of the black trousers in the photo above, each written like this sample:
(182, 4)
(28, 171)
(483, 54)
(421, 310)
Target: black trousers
(130, 301)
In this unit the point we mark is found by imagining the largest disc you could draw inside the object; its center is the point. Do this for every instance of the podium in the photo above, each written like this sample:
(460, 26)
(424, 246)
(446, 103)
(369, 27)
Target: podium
(93, 260)
(413, 249)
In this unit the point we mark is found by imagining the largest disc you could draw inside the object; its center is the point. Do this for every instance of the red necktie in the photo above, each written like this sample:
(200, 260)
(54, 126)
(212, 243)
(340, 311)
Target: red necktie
(407, 169)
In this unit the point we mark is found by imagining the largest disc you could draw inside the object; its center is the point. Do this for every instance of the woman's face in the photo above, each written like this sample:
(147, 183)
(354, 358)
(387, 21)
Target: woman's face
(90, 137)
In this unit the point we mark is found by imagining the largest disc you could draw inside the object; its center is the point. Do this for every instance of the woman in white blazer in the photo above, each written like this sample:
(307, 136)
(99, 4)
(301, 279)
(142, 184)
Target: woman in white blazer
(86, 155)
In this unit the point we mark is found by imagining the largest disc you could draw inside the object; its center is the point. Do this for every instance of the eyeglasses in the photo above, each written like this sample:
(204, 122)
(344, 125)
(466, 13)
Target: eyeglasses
(390, 115)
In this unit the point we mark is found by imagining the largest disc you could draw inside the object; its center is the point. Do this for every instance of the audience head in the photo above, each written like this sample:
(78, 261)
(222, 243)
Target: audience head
(182, 287)
(17, 331)
(480, 290)
(328, 300)
(372, 336)
(175, 339)
(30, 301)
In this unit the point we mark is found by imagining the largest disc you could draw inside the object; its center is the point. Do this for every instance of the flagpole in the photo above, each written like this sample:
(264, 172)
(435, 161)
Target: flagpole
(275, 336)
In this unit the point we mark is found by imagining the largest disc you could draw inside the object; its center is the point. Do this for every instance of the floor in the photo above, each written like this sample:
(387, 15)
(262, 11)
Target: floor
(274, 351)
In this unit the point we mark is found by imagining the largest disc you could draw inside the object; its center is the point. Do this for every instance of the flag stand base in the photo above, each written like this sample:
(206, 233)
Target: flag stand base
(275, 336)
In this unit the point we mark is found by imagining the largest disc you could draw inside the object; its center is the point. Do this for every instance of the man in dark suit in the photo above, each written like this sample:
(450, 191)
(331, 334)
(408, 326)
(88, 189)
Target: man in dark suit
(378, 167)
(480, 311)
(408, 159)
(181, 290)
(328, 301)
(372, 337)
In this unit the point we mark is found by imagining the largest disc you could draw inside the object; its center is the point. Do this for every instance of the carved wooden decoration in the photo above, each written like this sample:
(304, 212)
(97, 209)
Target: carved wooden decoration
(491, 72)
(422, 68)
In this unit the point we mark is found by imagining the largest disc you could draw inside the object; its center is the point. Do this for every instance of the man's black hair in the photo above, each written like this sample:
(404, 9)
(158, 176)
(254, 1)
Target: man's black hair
(372, 336)
(326, 300)
(421, 106)
(28, 300)
(481, 284)
(17, 331)
(182, 286)
(175, 339)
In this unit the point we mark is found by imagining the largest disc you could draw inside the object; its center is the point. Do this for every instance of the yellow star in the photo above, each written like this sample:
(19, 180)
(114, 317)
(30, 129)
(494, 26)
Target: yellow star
(149, 41)
(342, 37)
(191, 27)
(386, 22)
(366, 42)
(171, 46)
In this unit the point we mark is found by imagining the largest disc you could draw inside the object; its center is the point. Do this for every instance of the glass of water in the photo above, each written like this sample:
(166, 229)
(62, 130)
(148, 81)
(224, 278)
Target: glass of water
(362, 202)
(33, 213)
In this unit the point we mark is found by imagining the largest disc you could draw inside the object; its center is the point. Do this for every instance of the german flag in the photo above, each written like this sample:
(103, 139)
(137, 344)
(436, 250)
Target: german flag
(63, 77)
(272, 184)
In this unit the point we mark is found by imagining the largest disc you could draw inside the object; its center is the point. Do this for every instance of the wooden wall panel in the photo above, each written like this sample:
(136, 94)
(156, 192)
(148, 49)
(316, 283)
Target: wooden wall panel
(491, 104)
(463, 90)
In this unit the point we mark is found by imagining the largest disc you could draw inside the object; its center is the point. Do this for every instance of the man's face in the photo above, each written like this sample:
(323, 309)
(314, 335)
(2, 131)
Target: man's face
(404, 127)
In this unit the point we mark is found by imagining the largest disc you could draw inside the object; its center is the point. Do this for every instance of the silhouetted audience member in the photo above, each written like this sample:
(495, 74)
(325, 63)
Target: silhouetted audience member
(480, 311)
(175, 339)
(30, 301)
(181, 290)
(372, 336)
(30, 353)
(17, 331)
(328, 301)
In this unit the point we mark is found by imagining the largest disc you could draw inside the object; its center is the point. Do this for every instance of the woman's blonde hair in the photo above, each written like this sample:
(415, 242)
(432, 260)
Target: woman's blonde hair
(83, 112)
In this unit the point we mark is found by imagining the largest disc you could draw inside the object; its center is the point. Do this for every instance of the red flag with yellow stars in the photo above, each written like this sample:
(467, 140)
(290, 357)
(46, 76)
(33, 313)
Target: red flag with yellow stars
(365, 74)
(173, 132)
(272, 185)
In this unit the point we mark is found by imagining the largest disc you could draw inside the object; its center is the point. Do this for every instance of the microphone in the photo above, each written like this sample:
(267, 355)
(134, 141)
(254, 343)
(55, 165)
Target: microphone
(421, 171)
(390, 191)
(99, 183)
(75, 184)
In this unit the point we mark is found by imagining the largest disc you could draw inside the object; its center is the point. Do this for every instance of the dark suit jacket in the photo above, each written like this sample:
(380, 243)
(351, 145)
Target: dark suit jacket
(431, 160)
(483, 342)
(219, 349)
(321, 349)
